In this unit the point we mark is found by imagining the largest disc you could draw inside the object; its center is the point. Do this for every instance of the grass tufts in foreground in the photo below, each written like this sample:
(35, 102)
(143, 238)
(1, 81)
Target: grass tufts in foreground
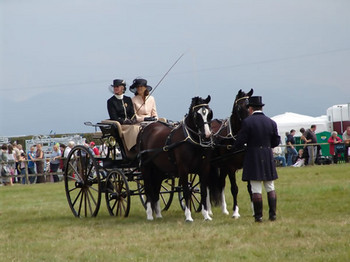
(313, 224)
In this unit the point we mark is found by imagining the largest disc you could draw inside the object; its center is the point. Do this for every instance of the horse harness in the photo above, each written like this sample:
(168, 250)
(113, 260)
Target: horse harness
(230, 136)
(188, 138)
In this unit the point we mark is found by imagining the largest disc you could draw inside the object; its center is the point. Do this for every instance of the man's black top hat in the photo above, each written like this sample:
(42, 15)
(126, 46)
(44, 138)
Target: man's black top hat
(255, 101)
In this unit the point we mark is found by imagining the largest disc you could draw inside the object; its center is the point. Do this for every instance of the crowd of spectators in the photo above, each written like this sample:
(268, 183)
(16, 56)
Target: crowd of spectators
(309, 149)
(14, 161)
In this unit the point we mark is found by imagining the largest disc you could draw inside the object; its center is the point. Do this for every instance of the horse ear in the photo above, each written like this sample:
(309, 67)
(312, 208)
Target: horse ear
(207, 100)
(250, 93)
(210, 116)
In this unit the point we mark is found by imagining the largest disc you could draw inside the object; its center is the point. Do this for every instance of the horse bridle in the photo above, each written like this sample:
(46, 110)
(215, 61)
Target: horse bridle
(239, 107)
(227, 123)
(206, 106)
(187, 130)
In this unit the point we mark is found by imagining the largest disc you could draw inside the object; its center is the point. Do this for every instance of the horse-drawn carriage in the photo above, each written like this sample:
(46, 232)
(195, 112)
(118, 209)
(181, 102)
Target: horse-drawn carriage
(164, 152)
(87, 177)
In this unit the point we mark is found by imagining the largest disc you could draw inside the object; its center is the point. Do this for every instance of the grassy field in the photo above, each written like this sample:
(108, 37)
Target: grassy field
(313, 224)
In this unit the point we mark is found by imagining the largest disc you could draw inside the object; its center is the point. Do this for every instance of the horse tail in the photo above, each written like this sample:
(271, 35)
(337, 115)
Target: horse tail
(215, 184)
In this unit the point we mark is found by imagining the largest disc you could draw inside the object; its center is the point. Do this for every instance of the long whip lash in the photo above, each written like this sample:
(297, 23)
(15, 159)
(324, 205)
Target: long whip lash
(158, 83)
(167, 73)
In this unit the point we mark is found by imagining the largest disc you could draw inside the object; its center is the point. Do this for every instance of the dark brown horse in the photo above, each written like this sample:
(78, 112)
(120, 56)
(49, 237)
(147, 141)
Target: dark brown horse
(225, 161)
(177, 151)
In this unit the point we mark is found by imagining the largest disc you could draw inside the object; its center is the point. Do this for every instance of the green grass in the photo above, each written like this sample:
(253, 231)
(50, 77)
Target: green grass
(313, 224)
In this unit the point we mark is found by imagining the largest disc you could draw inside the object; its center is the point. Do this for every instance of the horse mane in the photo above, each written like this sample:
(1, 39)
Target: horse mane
(239, 95)
(197, 101)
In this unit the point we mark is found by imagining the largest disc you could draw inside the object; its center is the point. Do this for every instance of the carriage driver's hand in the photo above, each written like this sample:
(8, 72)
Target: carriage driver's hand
(127, 122)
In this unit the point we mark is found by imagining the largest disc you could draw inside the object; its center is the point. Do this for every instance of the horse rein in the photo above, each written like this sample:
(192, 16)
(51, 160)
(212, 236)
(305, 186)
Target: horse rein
(188, 138)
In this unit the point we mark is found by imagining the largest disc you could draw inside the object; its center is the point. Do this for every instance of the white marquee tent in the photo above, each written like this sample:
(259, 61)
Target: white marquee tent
(287, 121)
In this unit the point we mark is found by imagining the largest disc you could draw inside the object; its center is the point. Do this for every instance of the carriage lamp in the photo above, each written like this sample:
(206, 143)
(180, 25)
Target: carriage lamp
(111, 141)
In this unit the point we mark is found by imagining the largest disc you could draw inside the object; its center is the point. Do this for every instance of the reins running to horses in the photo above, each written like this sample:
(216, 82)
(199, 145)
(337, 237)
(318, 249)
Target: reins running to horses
(230, 136)
(188, 138)
(227, 156)
(226, 122)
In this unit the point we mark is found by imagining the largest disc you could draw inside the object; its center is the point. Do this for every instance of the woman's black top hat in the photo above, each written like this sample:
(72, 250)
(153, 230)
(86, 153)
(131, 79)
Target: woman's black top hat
(255, 101)
(139, 82)
(118, 82)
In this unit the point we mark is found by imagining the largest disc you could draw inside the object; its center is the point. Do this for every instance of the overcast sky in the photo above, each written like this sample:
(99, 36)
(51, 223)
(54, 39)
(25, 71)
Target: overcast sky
(58, 57)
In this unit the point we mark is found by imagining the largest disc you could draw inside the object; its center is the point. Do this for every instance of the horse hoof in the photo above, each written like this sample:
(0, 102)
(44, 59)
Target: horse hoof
(225, 212)
(236, 215)
(208, 219)
(189, 220)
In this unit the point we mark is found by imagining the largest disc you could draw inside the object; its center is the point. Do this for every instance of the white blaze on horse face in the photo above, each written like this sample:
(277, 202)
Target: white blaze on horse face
(204, 112)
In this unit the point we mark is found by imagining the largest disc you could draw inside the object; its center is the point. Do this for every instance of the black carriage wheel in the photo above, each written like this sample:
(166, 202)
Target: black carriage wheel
(195, 194)
(117, 194)
(82, 182)
(166, 192)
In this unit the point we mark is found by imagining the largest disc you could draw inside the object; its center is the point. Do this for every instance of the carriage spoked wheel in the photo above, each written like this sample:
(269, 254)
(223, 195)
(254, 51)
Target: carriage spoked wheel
(117, 194)
(195, 194)
(82, 182)
(166, 194)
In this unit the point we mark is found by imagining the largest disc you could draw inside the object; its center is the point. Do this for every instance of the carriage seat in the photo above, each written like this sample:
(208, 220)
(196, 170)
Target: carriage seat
(116, 123)
(128, 135)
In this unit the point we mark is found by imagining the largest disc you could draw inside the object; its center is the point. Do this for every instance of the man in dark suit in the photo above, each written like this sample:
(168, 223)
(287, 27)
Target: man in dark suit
(120, 107)
(259, 133)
